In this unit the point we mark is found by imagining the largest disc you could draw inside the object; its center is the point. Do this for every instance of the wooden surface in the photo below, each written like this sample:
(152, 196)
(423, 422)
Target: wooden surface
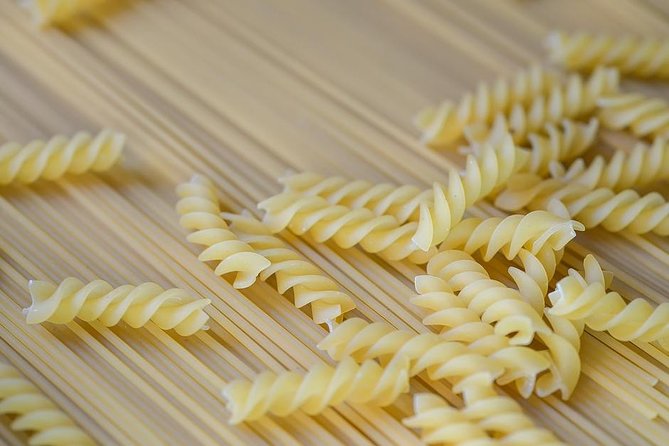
(243, 91)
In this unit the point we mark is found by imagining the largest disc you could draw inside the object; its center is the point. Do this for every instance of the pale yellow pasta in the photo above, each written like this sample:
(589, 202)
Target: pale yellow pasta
(445, 124)
(36, 414)
(583, 297)
(644, 57)
(642, 115)
(322, 386)
(625, 210)
(292, 271)
(47, 12)
(50, 160)
(199, 209)
(99, 301)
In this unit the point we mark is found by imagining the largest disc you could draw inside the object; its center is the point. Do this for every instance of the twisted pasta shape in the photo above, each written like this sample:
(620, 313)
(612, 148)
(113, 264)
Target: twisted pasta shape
(486, 419)
(46, 12)
(292, 271)
(26, 163)
(583, 297)
(199, 210)
(98, 300)
(444, 124)
(34, 412)
(382, 235)
(320, 387)
(625, 210)
(637, 56)
(643, 116)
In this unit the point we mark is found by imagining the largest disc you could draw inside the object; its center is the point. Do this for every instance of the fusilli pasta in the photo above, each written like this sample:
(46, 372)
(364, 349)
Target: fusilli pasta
(47, 12)
(320, 387)
(35, 413)
(134, 305)
(199, 209)
(642, 57)
(26, 163)
(643, 116)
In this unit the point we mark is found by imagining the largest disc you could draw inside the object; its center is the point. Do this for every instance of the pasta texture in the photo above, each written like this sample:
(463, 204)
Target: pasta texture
(643, 116)
(99, 301)
(487, 418)
(444, 124)
(292, 271)
(642, 57)
(322, 386)
(199, 209)
(50, 160)
(583, 297)
(47, 12)
(35, 413)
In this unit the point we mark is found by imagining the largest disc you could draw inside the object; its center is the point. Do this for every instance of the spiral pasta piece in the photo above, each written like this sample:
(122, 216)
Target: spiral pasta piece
(26, 163)
(98, 300)
(199, 209)
(487, 418)
(47, 12)
(322, 386)
(444, 124)
(643, 116)
(642, 57)
(37, 414)
(583, 297)
(292, 271)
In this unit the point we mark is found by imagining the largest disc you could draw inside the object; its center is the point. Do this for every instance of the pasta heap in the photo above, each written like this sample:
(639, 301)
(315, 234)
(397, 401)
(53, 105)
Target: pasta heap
(46, 12)
(643, 116)
(292, 271)
(35, 413)
(640, 57)
(487, 418)
(134, 305)
(26, 163)
(322, 386)
(583, 297)
(199, 210)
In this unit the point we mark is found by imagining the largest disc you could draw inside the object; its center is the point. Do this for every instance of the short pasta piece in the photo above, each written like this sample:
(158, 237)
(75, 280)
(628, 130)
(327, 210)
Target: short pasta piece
(643, 116)
(200, 212)
(56, 12)
(50, 160)
(642, 57)
(322, 386)
(99, 301)
(35, 413)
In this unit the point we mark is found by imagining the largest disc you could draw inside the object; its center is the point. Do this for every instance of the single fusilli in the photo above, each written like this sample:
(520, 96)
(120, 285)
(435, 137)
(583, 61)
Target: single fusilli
(320, 387)
(134, 305)
(199, 209)
(47, 12)
(643, 57)
(583, 297)
(643, 116)
(292, 271)
(35, 413)
(50, 160)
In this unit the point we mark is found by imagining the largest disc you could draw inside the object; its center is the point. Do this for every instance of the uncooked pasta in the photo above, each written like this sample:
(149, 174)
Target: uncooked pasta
(642, 115)
(47, 12)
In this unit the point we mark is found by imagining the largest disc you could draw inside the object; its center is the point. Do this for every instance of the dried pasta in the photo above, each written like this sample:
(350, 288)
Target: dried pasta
(292, 271)
(99, 301)
(643, 116)
(487, 418)
(47, 12)
(199, 209)
(322, 386)
(50, 160)
(583, 297)
(35, 413)
(642, 57)
(444, 124)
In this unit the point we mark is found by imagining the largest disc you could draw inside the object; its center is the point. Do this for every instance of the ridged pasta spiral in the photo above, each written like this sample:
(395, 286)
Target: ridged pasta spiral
(382, 235)
(444, 124)
(441, 358)
(320, 387)
(199, 209)
(134, 305)
(637, 56)
(643, 116)
(35, 413)
(625, 210)
(46, 12)
(26, 163)
(292, 271)
(583, 297)
(487, 418)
